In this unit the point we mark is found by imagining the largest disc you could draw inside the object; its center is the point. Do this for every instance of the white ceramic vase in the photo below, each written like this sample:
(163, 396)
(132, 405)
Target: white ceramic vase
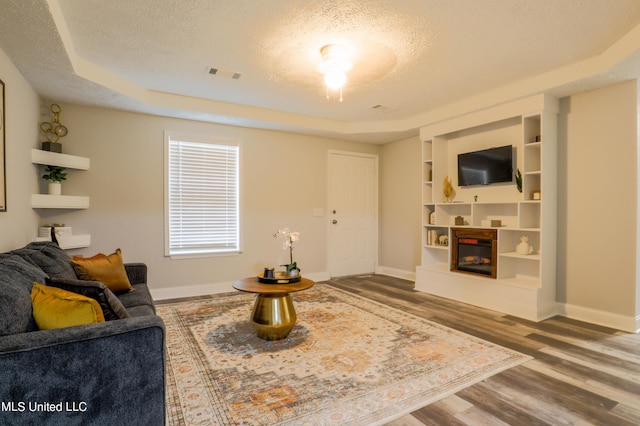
(523, 247)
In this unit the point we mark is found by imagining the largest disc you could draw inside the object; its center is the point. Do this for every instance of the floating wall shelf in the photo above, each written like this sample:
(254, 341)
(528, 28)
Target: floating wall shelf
(48, 158)
(45, 201)
(68, 242)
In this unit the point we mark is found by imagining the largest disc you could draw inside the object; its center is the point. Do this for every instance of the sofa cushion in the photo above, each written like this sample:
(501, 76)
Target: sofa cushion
(141, 311)
(111, 306)
(140, 297)
(57, 308)
(49, 257)
(15, 316)
(16, 280)
(106, 269)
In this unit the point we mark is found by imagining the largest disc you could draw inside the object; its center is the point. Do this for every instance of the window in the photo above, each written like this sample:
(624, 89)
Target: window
(201, 195)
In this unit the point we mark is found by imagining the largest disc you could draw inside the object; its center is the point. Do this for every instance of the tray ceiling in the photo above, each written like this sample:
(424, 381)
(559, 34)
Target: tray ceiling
(414, 62)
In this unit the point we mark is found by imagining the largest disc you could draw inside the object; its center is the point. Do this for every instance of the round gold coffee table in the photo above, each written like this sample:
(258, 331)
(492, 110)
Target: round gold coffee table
(273, 314)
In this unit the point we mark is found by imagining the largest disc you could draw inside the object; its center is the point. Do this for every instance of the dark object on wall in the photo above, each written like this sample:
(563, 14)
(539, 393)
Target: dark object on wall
(3, 172)
(485, 167)
(52, 146)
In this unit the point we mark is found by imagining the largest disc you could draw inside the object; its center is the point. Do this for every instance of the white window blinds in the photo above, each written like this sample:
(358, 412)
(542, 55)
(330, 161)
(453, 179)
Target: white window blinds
(202, 195)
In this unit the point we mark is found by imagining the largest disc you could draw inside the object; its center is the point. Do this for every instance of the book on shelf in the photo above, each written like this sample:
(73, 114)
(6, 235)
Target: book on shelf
(432, 237)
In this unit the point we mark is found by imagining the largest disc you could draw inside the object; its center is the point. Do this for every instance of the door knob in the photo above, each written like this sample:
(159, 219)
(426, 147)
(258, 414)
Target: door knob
(335, 222)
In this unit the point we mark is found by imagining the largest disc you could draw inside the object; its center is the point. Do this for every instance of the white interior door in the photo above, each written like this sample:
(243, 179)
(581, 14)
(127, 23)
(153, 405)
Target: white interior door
(353, 213)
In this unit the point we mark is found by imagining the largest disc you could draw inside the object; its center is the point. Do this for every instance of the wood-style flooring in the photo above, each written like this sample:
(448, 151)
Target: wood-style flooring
(581, 374)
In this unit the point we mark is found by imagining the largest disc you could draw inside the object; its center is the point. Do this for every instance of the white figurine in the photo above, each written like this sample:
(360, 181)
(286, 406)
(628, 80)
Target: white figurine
(524, 247)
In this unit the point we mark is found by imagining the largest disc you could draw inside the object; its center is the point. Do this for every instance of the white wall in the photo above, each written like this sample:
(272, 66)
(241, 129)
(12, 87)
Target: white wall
(283, 178)
(22, 114)
(598, 196)
(400, 207)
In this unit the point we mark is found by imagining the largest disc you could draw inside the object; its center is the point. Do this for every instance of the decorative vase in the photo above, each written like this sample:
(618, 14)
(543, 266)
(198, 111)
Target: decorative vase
(523, 247)
(447, 189)
(292, 273)
(55, 188)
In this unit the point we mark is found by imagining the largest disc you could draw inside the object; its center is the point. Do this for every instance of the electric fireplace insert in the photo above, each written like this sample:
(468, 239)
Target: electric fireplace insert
(474, 251)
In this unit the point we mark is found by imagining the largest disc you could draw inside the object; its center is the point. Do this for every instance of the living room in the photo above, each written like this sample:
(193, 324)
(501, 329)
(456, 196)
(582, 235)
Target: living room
(284, 179)
(127, 200)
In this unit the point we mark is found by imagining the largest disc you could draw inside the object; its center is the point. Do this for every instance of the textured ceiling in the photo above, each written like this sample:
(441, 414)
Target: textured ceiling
(420, 60)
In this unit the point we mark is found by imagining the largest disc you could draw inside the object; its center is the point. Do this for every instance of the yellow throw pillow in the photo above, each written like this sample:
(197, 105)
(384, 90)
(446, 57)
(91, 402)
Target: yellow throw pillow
(109, 270)
(57, 308)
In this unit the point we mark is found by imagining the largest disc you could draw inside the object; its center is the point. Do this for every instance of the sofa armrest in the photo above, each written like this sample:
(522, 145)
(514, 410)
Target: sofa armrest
(137, 272)
(92, 374)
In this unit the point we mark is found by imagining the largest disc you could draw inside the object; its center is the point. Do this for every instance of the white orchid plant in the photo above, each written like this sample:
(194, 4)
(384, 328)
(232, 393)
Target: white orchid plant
(289, 237)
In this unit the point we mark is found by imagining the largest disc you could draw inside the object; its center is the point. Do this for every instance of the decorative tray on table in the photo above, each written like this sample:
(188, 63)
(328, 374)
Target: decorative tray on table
(279, 278)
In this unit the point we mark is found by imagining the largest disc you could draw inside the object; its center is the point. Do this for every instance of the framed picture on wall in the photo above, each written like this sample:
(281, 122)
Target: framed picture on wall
(3, 162)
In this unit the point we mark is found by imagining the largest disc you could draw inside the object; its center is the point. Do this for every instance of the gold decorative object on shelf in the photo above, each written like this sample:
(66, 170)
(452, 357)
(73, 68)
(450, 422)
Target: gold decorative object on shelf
(53, 131)
(448, 189)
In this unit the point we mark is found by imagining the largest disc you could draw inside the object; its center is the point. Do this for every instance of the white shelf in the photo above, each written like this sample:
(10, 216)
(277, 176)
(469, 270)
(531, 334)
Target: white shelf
(48, 158)
(521, 256)
(45, 201)
(73, 241)
(68, 242)
(437, 247)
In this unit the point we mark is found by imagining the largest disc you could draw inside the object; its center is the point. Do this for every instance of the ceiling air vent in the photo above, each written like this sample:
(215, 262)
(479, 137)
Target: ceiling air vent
(385, 109)
(219, 72)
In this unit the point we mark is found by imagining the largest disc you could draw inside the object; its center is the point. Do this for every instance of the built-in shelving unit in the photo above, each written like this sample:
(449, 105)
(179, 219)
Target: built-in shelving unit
(47, 201)
(525, 284)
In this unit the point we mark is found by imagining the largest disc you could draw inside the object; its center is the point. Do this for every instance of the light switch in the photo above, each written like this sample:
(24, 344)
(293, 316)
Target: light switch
(318, 212)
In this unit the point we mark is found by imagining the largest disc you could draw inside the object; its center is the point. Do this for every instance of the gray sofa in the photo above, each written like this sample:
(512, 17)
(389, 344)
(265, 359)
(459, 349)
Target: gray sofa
(110, 373)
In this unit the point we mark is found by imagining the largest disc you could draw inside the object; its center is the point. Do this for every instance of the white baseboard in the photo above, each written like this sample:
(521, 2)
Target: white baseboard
(396, 273)
(318, 276)
(605, 319)
(211, 288)
(190, 290)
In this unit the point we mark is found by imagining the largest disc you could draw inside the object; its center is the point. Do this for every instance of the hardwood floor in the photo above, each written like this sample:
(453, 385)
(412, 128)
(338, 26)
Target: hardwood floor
(581, 374)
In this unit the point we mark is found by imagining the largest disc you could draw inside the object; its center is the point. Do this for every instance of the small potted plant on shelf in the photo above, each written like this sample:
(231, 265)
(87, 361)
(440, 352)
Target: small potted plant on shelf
(518, 180)
(55, 175)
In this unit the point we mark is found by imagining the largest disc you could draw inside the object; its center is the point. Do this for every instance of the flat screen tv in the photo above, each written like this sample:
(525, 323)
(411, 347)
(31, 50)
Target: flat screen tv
(485, 167)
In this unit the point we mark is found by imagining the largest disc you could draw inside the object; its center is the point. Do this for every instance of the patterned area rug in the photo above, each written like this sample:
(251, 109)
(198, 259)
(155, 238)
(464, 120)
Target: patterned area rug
(348, 361)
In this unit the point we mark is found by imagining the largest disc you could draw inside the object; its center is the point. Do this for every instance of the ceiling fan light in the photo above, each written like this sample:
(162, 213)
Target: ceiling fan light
(334, 66)
(335, 79)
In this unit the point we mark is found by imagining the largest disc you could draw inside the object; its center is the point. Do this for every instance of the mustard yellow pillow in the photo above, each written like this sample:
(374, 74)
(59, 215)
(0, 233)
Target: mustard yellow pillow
(57, 308)
(109, 270)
